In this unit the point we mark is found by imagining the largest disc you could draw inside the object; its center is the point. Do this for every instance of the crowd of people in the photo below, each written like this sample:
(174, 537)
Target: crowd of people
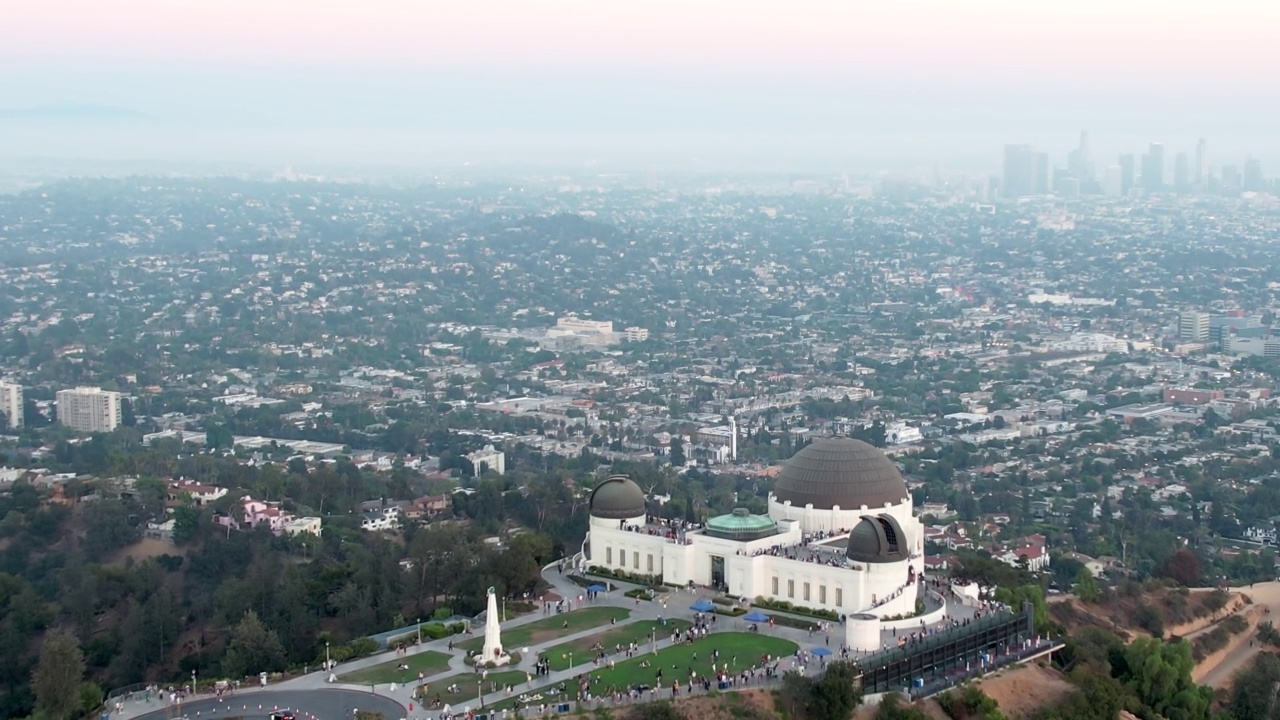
(674, 530)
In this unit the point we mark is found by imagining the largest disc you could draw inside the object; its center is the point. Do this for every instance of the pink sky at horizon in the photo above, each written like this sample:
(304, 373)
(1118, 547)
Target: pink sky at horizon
(990, 36)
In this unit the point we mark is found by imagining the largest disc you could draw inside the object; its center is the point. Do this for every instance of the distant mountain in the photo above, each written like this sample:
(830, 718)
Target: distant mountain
(71, 111)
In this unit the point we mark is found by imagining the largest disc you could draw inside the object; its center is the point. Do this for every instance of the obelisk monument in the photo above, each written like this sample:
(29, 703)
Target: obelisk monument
(493, 652)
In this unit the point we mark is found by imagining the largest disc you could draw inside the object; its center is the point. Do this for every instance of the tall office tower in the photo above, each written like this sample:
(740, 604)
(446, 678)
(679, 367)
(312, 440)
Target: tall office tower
(11, 403)
(1153, 168)
(1230, 179)
(1127, 173)
(1113, 183)
(1019, 171)
(1079, 163)
(1181, 172)
(89, 409)
(1042, 174)
(1193, 326)
(1253, 181)
(1202, 163)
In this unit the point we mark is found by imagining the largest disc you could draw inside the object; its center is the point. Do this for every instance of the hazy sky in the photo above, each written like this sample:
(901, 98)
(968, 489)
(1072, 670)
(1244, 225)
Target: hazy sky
(410, 79)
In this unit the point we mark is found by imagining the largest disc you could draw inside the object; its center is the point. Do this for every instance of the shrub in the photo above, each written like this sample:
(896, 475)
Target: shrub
(638, 578)
(642, 593)
(785, 606)
(969, 703)
(1148, 618)
(732, 611)
(893, 707)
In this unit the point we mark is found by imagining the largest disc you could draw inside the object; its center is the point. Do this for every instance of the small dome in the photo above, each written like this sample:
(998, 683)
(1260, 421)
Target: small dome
(840, 472)
(617, 498)
(877, 539)
(741, 526)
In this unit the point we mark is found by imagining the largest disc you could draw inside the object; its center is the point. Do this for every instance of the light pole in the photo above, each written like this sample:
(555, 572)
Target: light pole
(419, 631)
(480, 693)
(327, 664)
(193, 681)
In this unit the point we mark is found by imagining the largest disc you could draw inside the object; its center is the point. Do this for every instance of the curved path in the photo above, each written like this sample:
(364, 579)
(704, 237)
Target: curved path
(323, 704)
(1245, 646)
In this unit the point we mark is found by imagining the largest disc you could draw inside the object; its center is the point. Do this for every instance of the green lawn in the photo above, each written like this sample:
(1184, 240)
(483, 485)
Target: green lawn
(549, 628)
(637, 632)
(466, 682)
(428, 661)
(676, 661)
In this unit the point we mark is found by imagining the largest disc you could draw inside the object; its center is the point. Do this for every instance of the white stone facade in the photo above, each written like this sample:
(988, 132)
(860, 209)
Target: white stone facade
(803, 564)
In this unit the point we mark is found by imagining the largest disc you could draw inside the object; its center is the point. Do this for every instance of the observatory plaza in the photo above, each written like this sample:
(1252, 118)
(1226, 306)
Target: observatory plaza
(840, 535)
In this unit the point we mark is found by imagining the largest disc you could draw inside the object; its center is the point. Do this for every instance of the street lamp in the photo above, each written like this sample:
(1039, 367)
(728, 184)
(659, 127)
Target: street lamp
(327, 664)
(480, 693)
(419, 631)
(193, 681)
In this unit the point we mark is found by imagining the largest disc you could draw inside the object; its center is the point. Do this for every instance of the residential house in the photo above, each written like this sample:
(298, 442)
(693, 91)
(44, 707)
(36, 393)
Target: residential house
(256, 512)
(428, 506)
(201, 495)
(379, 515)
(298, 526)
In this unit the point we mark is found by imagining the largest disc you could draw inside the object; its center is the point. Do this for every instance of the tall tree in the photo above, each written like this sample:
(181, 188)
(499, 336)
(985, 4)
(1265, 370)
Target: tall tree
(252, 649)
(56, 678)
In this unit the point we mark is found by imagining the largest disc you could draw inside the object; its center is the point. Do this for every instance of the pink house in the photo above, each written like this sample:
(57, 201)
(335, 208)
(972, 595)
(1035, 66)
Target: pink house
(256, 512)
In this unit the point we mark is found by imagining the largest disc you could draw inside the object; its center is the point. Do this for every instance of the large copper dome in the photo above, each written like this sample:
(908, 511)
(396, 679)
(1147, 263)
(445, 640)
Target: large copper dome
(840, 472)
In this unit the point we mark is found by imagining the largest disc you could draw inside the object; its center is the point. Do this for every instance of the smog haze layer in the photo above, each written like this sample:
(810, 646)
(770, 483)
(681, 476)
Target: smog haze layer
(810, 84)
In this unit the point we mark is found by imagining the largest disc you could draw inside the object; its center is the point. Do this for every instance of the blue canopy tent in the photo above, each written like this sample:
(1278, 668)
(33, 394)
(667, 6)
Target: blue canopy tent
(596, 588)
(820, 652)
(703, 605)
(755, 616)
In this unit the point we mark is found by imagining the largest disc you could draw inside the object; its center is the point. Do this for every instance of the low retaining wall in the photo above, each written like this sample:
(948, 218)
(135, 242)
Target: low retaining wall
(929, 618)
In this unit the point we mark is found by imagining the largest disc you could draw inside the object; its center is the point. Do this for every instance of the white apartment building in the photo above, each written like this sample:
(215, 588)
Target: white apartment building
(11, 403)
(636, 334)
(489, 457)
(89, 409)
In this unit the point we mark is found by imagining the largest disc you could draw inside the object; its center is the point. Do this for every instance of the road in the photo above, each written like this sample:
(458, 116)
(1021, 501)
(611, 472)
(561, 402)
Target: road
(323, 704)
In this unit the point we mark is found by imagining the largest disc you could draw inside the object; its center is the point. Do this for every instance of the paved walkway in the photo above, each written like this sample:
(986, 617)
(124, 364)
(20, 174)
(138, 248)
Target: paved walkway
(675, 604)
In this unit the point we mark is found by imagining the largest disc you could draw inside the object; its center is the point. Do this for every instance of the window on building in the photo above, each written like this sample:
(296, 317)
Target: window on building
(806, 592)
(791, 588)
(775, 586)
(839, 597)
(822, 594)
(635, 560)
(650, 562)
(608, 556)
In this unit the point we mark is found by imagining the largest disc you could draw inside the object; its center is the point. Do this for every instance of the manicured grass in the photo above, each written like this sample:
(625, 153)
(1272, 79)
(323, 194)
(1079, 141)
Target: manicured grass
(428, 661)
(637, 632)
(676, 661)
(466, 682)
(549, 628)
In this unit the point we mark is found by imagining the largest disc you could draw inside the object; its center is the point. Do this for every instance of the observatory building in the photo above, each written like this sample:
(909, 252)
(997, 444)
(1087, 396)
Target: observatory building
(840, 535)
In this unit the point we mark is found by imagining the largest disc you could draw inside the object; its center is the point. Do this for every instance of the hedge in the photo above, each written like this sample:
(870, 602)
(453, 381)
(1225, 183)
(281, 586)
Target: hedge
(430, 631)
(638, 578)
(785, 606)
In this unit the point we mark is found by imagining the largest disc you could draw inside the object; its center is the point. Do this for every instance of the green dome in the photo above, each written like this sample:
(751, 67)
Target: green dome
(741, 526)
